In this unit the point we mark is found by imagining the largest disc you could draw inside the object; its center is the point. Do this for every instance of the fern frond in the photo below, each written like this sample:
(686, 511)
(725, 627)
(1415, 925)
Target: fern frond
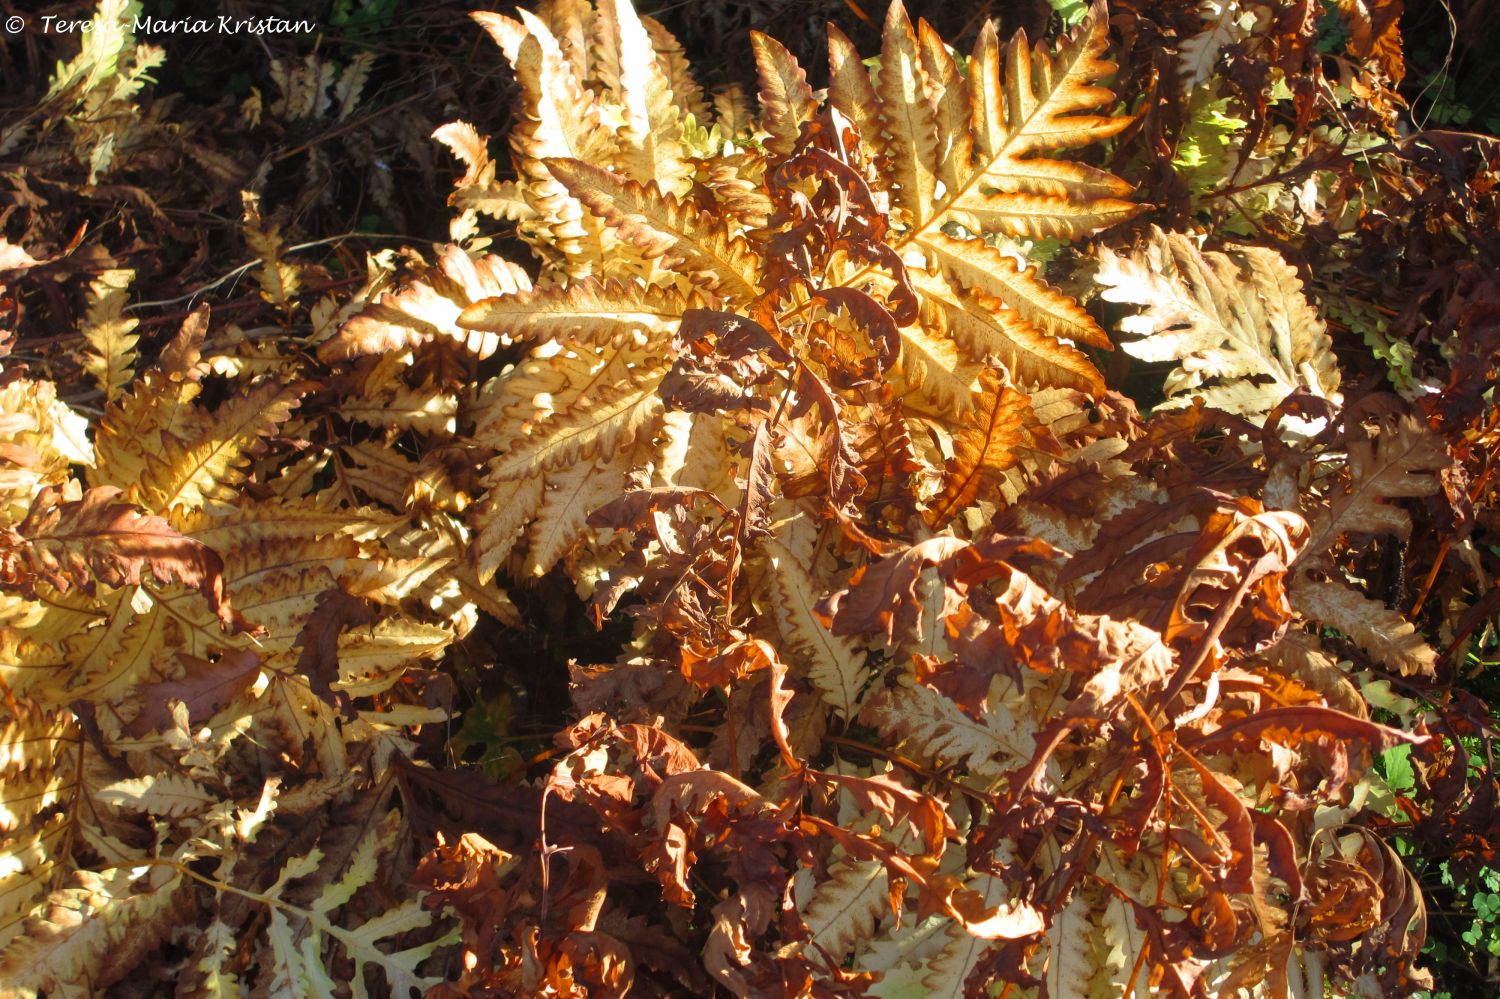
(973, 263)
(986, 327)
(988, 443)
(910, 126)
(111, 356)
(1373, 626)
(608, 418)
(933, 728)
(834, 664)
(1237, 324)
(429, 308)
(785, 97)
(1403, 459)
(662, 227)
(590, 311)
(118, 915)
(572, 494)
(205, 469)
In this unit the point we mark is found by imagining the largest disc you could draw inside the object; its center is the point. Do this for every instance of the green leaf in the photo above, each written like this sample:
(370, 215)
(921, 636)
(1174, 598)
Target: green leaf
(1395, 763)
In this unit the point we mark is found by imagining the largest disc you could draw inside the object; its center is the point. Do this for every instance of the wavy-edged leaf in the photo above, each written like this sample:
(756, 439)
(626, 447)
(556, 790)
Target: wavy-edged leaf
(1041, 107)
(168, 794)
(609, 417)
(785, 97)
(850, 91)
(570, 496)
(834, 664)
(1373, 626)
(910, 124)
(502, 517)
(931, 727)
(560, 117)
(986, 327)
(933, 367)
(99, 539)
(973, 263)
(653, 129)
(843, 910)
(1402, 460)
(1069, 949)
(429, 308)
(92, 933)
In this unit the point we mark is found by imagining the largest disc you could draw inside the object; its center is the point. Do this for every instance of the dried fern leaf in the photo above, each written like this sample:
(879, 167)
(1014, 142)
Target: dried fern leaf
(101, 539)
(785, 97)
(1403, 459)
(111, 355)
(834, 664)
(652, 132)
(1237, 323)
(570, 496)
(1373, 626)
(986, 327)
(606, 420)
(662, 227)
(975, 264)
(910, 124)
(91, 934)
(986, 445)
(429, 308)
(933, 728)
(589, 311)
(206, 468)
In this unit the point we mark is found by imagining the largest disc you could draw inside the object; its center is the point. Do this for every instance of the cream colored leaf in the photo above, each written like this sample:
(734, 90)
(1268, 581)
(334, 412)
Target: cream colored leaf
(423, 410)
(932, 728)
(843, 910)
(165, 794)
(1068, 948)
(1243, 334)
(68, 949)
(850, 91)
(906, 111)
(946, 975)
(429, 307)
(1042, 107)
(502, 517)
(205, 469)
(653, 131)
(975, 264)
(934, 368)
(560, 117)
(986, 327)
(571, 495)
(1197, 56)
(600, 422)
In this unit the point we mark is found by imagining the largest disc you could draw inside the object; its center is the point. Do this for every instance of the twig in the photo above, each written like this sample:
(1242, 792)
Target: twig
(242, 268)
